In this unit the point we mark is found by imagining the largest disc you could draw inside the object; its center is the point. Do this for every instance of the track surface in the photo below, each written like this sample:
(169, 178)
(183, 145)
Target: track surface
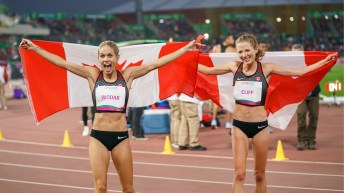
(33, 161)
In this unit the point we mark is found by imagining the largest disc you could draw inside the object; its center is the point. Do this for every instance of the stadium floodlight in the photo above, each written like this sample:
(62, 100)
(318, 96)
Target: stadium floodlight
(206, 36)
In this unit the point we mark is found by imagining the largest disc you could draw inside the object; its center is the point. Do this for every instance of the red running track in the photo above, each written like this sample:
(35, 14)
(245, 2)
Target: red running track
(32, 159)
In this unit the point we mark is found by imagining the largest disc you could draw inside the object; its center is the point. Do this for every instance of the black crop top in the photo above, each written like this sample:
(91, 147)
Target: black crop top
(110, 97)
(250, 90)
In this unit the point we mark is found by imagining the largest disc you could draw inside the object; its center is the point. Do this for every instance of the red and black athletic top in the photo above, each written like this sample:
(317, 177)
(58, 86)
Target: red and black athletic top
(110, 97)
(259, 77)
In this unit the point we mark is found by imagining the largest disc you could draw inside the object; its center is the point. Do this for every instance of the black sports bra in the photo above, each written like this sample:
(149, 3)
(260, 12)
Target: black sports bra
(250, 90)
(110, 97)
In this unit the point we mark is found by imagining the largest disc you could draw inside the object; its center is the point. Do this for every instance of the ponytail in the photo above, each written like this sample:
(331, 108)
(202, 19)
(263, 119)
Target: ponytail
(260, 54)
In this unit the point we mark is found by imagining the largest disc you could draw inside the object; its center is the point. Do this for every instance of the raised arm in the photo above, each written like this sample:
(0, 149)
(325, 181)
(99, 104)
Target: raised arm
(278, 69)
(218, 70)
(138, 71)
(56, 60)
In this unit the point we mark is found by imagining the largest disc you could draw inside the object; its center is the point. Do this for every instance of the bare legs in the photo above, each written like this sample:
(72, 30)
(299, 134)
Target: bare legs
(240, 149)
(260, 152)
(122, 158)
(240, 144)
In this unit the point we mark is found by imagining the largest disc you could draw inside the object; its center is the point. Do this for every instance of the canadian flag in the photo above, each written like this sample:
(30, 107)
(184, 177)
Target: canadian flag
(285, 93)
(52, 89)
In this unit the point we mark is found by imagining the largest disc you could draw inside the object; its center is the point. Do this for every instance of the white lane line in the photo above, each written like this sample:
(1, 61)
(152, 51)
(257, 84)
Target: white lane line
(54, 185)
(181, 155)
(232, 169)
(171, 165)
(167, 178)
(44, 155)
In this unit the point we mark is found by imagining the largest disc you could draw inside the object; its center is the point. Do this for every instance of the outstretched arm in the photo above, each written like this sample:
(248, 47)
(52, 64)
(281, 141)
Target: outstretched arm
(138, 71)
(217, 70)
(56, 60)
(277, 69)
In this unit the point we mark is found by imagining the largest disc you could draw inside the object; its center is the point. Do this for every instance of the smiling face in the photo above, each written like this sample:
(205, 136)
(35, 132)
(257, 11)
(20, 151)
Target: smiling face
(247, 48)
(108, 56)
(247, 53)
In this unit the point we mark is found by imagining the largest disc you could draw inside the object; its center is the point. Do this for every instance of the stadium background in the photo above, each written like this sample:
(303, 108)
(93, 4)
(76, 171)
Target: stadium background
(31, 156)
(317, 24)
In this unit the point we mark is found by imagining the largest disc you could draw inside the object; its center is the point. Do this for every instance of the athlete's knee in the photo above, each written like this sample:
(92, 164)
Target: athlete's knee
(259, 176)
(240, 176)
(101, 187)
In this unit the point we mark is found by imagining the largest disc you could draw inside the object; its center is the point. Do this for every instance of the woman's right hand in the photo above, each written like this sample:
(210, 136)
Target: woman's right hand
(330, 57)
(28, 45)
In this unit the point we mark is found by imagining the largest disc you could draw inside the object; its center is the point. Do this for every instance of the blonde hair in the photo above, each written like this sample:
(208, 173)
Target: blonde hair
(111, 44)
(254, 43)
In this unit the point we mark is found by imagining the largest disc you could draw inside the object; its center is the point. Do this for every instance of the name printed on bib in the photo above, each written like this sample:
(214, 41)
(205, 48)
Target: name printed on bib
(110, 97)
(248, 91)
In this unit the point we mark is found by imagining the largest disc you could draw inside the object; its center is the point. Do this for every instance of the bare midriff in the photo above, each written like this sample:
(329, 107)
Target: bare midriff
(110, 122)
(249, 113)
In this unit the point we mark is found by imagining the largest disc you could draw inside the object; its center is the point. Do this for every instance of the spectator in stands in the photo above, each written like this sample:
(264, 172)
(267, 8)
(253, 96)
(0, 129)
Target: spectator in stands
(250, 118)
(264, 46)
(110, 132)
(190, 124)
(306, 133)
(225, 47)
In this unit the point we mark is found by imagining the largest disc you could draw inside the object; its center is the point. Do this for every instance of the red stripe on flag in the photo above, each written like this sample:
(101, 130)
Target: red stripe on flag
(178, 76)
(48, 91)
(207, 85)
(284, 90)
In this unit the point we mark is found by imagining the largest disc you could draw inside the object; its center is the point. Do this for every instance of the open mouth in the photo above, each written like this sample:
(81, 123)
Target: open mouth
(107, 67)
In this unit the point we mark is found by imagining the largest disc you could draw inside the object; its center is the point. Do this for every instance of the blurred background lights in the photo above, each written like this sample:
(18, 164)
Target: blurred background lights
(206, 36)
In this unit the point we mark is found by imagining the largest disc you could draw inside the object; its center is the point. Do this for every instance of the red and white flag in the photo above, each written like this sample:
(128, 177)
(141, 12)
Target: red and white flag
(284, 93)
(52, 89)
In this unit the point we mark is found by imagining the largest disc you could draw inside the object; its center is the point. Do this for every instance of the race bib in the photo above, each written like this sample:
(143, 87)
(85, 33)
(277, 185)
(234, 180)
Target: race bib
(248, 92)
(110, 98)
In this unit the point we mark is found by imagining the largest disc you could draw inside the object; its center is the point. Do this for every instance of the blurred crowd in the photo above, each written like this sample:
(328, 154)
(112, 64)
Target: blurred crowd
(322, 34)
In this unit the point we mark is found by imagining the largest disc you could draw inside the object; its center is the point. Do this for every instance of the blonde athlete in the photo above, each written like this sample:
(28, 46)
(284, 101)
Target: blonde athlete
(249, 116)
(110, 132)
